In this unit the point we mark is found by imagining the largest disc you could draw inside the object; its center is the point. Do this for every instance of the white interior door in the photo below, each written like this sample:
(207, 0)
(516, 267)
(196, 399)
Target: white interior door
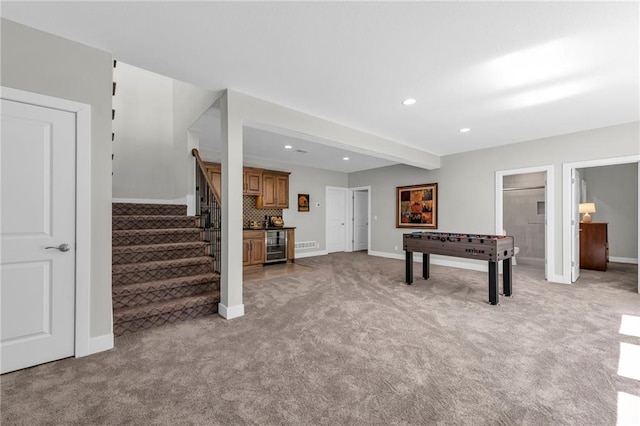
(360, 220)
(37, 235)
(336, 219)
(575, 225)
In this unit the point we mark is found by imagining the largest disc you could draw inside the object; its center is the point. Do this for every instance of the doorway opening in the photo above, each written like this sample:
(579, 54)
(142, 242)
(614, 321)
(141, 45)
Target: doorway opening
(524, 210)
(572, 181)
(359, 214)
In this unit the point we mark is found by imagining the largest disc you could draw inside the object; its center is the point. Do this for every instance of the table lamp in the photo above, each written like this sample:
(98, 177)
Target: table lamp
(587, 208)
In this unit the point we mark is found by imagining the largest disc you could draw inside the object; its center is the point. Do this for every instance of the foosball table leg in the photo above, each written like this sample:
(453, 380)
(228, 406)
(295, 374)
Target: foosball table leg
(425, 266)
(493, 283)
(506, 277)
(408, 264)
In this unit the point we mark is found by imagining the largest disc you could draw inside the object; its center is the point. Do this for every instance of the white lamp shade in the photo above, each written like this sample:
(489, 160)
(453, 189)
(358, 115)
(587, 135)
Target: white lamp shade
(587, 208)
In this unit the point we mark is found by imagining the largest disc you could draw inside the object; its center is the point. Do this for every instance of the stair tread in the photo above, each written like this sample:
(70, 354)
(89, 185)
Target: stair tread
(128, 314)
(152, 216)
(160, 264)
(137, 288)
(131, 209)
(153, 231)
(158, 247)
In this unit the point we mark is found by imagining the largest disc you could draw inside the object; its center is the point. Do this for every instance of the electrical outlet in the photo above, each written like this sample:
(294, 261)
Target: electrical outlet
(396, 247)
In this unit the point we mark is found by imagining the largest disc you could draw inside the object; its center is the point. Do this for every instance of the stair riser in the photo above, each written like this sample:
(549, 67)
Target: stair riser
(132, 300)
(149, 209)
(128, 223)
(126, 327)
(152, 256)
(161, 274)
(134, 240)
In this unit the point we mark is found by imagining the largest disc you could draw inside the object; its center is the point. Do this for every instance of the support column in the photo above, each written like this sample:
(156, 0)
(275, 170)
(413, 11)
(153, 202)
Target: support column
(231, 305)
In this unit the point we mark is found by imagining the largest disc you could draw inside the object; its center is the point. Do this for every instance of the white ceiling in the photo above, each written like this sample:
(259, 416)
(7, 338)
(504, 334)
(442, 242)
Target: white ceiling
(511, 71)
(263, 143)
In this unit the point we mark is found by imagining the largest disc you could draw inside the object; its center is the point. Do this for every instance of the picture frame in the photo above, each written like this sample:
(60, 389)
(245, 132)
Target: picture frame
(303, 202)
(417, 206)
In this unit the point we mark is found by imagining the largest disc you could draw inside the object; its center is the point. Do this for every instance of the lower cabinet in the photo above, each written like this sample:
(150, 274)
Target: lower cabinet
(594, 246)
(291, 245)
(252, 248)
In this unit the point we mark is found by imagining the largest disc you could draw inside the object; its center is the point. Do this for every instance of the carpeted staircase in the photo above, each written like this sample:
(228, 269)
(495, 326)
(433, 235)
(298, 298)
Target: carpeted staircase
(161, 268)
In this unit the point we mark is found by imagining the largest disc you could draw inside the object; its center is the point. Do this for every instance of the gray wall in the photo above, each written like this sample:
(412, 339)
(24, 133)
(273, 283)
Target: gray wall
(466, 182)
(42, 63)
(614, 190)
(153, 114)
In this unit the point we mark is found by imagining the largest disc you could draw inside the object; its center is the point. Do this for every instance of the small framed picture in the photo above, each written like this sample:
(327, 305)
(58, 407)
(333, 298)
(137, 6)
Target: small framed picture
(303, 202)
(417, 206)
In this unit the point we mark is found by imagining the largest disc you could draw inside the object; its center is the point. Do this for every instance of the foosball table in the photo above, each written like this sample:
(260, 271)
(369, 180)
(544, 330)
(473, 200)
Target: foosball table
(492, 248)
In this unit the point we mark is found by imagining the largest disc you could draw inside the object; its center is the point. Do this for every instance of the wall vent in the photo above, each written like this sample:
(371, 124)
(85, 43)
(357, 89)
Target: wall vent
(306, 245)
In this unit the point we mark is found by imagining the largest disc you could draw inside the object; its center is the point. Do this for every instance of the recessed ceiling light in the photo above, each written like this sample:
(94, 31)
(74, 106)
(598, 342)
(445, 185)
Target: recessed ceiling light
(345, 158)
(288, 147)
(409, 101)
(465, 130)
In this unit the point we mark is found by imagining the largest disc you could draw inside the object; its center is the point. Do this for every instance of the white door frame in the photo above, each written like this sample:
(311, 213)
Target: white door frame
(549, 205)
(350, 216)
(83, 204)
(326, 216)
(567, 238)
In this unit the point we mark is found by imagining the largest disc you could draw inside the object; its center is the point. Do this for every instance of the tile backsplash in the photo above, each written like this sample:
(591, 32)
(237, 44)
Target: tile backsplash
(250, 212)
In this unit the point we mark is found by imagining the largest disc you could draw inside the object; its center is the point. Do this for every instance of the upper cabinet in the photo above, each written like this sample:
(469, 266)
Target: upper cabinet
(252, 181)
(275, 190)
(215, 176)
(272, 185)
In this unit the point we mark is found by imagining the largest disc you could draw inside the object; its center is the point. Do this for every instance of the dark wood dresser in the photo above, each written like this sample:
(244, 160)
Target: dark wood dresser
(594, 246)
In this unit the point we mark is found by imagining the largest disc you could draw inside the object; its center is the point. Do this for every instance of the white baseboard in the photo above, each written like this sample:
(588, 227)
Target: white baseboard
(191, 205)
(100, 343)
(230, 312)
(311, 254)
(623, 260)
(179, 201)
(473, 265)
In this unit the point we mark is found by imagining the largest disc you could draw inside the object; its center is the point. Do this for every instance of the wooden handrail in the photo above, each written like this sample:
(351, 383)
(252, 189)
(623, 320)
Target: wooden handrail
(203, 168)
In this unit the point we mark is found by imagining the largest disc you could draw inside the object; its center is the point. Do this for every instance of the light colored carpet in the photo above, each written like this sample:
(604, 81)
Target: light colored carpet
(345, 341)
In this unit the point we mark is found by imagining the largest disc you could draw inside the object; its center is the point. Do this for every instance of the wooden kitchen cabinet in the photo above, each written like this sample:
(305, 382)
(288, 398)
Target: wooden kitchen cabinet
(275, 189)
(252, 181)
(594, 246)
(214, 172)
(253, 248)
(291, 245)
(272, 185)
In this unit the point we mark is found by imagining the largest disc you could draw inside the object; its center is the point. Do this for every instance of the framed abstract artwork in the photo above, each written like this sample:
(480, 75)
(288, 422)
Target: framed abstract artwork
(417, 206)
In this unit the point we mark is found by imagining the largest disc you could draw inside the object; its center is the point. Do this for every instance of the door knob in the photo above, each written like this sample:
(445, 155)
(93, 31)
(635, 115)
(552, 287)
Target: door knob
(61, 247)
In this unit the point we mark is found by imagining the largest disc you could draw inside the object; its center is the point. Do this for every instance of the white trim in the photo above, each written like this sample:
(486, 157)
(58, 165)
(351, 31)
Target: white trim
(567, 169)
(311, 254)
(623, 260)
(100, 343)
(83, 232)
(83, 205)
(179, 201)
(550, 211)
(230, 312)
